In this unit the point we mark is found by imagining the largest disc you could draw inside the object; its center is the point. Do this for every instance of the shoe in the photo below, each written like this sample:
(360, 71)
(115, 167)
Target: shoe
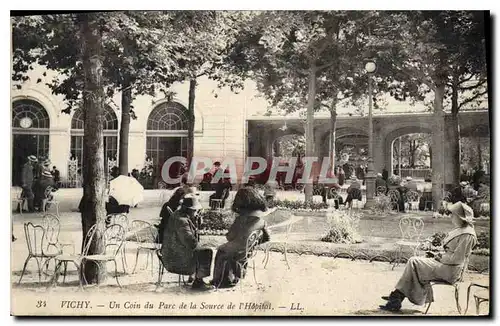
(200, 285)
(14, 238)
(385, 297)
(391, 306)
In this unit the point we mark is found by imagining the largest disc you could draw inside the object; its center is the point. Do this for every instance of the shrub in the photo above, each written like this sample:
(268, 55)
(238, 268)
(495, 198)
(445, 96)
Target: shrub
(483, 240)
(437, 239)
(382, 204)
(214, 220)
(394, 180)
(297, 204)
(343, 227)
(481, 252)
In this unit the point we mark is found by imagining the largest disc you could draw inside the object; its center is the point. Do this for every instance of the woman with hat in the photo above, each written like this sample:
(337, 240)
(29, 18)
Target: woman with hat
(250, 207)
(447, 266)
(180, 251)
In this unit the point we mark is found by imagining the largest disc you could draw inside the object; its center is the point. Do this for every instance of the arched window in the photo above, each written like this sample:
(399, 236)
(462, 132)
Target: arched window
(30, 134)
(168, 116)
(29, 114)
(110, 127)
(167, 130)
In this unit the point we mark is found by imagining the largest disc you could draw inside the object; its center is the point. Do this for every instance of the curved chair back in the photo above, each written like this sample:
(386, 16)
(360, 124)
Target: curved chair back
(90, 238)
(113, 238)
(144, 232)
(411, 228)
(35, 239)
(52, 226)
(412, 196)
(120, 219)
(394, 195)
(48, 192)
(253, 240)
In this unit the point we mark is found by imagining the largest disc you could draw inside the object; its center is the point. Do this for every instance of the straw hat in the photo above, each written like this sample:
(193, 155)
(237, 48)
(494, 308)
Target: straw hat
(46, 163)
(32, 158)
(47, 174)
(190, 201)
(409, 178)
(463, 183)
(463, 211)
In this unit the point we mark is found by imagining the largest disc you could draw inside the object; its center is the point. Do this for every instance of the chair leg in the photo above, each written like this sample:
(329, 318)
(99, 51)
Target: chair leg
(160, 275)
(427, 310)
(477, 305)
(24, 268)
(457, 301)
(53, 281)
(39, 270)
(65, 269)
(468, 298)
(253, 267)
(284, 254)
(78, 273)
(116, 273)
(136, 260)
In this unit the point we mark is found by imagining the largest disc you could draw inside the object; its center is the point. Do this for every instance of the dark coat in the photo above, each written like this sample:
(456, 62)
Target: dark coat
(40, 187)
(239, 232)
(380, 182)
(27, 175)
(179, 242)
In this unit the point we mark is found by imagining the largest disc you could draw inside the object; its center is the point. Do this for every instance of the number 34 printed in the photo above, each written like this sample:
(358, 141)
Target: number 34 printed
(41, 304)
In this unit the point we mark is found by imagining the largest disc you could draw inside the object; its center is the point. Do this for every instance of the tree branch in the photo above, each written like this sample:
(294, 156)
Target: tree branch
(472, 98)
(412, 73)
(468, 88)
(466, 79)
(325, 66)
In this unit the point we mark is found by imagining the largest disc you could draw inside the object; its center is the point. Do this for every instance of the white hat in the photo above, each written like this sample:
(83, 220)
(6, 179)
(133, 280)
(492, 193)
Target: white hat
(408, 178)
(464, 183)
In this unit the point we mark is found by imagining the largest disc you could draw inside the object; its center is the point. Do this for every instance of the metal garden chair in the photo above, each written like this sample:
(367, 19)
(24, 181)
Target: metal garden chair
(49, 200)
(381, 190)
(122, 220)
(337, 198)
(413, 199)
(38, 248)
(52, 226)
(411, 228)
(480, 298)
(20, 200)
(394, 195)
(112, 239)
(242, 262)
(278, 245)
(217, 203)
(146, 236)
(455, 285)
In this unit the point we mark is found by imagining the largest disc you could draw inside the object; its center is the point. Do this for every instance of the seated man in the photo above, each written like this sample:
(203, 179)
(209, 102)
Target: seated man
(180, 251)
(270, 191)
(222, 189)
(353, 192)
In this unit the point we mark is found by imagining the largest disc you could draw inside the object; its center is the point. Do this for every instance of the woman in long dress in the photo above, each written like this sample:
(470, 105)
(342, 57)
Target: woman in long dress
(448, 266)
(250, 207)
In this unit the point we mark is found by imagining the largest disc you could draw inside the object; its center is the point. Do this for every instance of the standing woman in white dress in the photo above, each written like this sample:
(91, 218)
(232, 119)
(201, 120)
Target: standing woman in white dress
(447, 266)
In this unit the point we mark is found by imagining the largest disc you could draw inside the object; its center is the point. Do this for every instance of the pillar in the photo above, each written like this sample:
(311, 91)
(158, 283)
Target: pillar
(136, 150)
(59, 150)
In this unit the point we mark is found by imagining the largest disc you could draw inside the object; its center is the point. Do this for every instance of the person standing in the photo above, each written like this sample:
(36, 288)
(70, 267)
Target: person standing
(27, 179)
(46, 180)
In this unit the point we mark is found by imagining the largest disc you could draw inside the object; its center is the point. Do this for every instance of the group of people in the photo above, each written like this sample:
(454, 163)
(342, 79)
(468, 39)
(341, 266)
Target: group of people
(35, 179)
(221, 188)
(181, 252)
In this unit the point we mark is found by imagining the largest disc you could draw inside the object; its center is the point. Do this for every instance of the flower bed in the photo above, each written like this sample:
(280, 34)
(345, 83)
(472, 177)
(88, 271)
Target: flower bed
(215, 222)
(298, 205)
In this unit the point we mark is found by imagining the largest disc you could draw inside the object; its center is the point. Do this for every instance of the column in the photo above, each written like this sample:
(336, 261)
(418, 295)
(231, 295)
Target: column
(136, 150)
(59, 150)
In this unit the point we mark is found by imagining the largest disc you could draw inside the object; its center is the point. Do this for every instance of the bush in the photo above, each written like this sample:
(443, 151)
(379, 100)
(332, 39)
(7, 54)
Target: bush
(382, 204)
(483, 240)
(343, 227)
(481, 252)
(214, 220)
(394, 180)
(297, 204)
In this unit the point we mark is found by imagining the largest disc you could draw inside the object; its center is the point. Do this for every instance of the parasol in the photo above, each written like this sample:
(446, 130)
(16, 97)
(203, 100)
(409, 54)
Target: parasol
(126, 190)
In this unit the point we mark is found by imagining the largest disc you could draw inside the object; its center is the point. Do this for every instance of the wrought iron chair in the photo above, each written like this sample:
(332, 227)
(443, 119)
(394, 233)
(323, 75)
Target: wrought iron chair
(278, 245)
(49, 200)
(381, 190)
(112, 239)
(337, 198)
(480, 298)
(455, 285)
(20, 200)
(394, 195)
(52, 226)
(122, 220)
(38, 248)
(161, 271)
(242, 262)
(75, 259)
(413, 199)
(217, 203)
(411, 228)
(146, 236)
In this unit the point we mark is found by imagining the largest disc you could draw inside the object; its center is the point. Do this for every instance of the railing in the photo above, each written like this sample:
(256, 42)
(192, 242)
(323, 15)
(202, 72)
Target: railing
(415, 173)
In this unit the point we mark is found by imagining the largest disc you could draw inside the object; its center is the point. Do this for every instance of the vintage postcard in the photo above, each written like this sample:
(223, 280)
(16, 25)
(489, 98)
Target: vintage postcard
(250, 163)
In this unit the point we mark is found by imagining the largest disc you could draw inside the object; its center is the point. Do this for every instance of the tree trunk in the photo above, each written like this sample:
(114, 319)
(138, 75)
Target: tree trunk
(333, 127)
(190, 147)
(453, 136)
(125, 128)
(93, 166)
(311, 97)
(437, 146)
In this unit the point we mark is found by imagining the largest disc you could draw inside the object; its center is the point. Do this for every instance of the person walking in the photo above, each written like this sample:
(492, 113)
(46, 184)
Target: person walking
(27, 179)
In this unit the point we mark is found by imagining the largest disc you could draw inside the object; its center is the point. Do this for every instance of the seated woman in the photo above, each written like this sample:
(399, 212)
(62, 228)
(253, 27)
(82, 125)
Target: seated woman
(180, 252)
(222, 189)
(448, 266)
(171, 206)
(250, 207)
(113, 207)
